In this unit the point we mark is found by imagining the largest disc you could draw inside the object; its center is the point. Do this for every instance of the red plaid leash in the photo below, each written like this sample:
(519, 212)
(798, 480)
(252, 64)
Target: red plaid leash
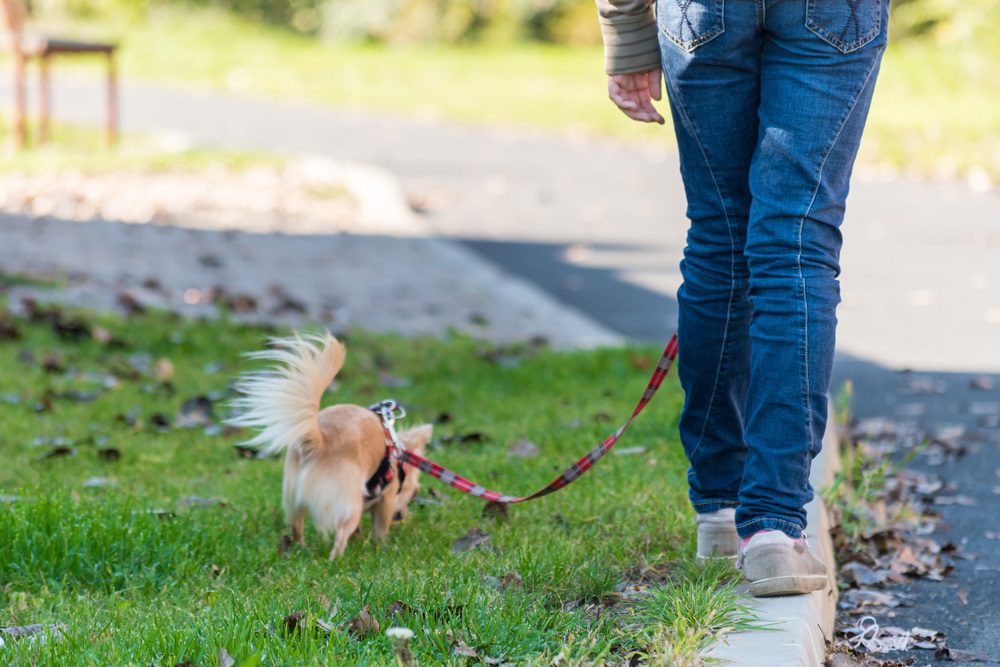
(389, 411)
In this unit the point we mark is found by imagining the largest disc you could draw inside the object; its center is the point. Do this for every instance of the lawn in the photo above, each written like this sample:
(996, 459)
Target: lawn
(84, 149)
(936, 109)
(129, 516)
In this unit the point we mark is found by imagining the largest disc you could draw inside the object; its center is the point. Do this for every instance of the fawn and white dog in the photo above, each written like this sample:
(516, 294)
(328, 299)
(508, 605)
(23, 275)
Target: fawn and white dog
(336, 465)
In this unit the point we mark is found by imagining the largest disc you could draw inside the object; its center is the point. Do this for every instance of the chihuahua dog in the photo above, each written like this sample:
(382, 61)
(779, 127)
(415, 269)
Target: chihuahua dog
(336, 466)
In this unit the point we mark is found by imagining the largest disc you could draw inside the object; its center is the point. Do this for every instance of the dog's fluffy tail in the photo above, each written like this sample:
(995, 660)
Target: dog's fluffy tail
(283, 400)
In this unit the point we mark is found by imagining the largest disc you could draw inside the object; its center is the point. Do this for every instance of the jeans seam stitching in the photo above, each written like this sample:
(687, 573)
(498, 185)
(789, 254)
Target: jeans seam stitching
(732, 266)
(802, 280)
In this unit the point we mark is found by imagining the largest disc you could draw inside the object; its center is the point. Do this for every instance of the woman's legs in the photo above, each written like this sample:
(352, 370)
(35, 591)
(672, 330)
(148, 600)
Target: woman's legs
(714, 95)
(769, 98)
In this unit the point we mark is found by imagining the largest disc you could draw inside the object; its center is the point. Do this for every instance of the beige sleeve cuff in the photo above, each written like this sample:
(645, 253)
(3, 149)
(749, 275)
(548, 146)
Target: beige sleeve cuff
(630, 36)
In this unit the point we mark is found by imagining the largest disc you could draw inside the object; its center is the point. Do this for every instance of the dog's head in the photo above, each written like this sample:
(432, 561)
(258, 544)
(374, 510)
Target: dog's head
(416, 440)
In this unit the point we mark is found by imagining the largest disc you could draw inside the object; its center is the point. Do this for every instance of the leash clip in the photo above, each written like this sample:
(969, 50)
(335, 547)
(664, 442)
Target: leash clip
(388, 412)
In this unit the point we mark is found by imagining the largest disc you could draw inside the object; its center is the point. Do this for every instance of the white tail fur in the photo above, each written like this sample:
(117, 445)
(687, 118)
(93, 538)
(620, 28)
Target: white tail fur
(283, 400)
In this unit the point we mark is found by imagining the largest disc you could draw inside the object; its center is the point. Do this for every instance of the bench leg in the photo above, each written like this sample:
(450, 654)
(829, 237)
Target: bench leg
(20, 103)
(44, 99)
(112, 121)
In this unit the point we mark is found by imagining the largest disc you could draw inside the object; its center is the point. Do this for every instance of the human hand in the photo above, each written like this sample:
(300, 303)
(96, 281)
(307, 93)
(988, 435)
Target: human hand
(634, 93)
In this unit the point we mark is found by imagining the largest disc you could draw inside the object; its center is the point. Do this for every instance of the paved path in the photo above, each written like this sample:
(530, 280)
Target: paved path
(601, 226)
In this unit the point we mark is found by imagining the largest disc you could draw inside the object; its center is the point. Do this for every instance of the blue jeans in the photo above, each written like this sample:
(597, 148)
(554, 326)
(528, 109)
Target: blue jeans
(769, 99)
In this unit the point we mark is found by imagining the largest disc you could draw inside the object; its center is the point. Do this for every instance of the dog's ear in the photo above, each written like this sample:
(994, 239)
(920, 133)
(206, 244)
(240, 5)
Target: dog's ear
(416, 438)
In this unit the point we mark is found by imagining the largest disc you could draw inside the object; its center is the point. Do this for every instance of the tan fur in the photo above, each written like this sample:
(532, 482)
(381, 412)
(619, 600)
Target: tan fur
(331, 454)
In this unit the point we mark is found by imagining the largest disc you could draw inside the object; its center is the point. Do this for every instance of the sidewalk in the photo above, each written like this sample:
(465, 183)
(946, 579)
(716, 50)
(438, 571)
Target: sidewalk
(388, 275)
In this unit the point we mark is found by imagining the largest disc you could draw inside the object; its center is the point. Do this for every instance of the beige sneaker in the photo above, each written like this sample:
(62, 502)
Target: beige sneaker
(717, 536)
(775, 564)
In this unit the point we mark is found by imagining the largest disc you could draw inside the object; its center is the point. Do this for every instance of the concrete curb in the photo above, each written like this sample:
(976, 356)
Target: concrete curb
(798, 627)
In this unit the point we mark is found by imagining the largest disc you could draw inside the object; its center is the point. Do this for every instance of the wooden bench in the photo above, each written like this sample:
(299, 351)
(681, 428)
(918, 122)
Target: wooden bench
(25, 47)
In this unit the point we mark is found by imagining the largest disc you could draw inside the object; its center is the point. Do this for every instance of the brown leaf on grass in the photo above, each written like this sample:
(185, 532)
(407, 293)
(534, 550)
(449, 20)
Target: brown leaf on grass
(194, 412)
(8, 330)
(471, 438)
(109, 454)
(640, 361)
(472, 539)
(602, 416)
(216, 570)
(512, 580)
(58, 451)
(224, 659)
(460, 648)
(293, 621)
(523, 448)
(244, 452)
(399, 609)
(186, 663)
(498, 511)
(53, 363)
(362, 625)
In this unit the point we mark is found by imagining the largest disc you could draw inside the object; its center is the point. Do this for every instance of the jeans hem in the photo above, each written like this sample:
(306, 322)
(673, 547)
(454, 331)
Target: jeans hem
(709, 506)
(748, 528)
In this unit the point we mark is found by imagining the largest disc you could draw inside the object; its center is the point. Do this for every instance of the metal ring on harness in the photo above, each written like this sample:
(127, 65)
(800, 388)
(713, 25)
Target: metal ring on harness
(388, 412)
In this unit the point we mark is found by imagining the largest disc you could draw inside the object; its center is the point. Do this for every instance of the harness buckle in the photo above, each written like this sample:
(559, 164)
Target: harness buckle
(388, 412)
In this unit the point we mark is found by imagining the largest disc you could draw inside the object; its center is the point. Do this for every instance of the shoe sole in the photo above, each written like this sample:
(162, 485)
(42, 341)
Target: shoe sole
(788, 585)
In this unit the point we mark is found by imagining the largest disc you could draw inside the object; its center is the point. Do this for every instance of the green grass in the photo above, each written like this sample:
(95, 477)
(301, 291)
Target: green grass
(137, 577)
(936, 110)
(83, 148)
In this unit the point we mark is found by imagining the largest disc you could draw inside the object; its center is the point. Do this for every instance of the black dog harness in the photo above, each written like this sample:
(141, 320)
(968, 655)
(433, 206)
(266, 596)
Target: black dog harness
(385, 474)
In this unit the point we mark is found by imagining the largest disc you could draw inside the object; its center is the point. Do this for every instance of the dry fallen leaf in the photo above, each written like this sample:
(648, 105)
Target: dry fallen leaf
(956, 655)
(196, 411)
(109, 454)
(362, 625)
(470, 540)
(460, 648)
(494, 510)
(292, 621)
(523, 448)
(399, 610)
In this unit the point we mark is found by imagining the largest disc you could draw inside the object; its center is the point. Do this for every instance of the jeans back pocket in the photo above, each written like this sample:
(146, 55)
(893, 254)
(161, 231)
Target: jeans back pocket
(690, 23)
(846, 25)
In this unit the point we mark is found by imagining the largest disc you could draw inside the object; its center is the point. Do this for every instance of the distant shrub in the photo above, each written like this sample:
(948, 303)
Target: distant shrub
(559, 21)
